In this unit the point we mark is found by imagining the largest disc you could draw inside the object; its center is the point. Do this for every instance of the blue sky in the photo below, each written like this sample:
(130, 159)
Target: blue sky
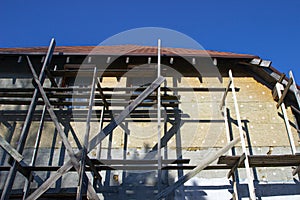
(268, 28)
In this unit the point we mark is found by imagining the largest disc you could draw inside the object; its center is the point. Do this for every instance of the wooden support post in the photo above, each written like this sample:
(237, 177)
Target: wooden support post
(225, 95)
(223, 105)
(74, 161)
(34, 154)
(286, 119)
(12, 173)
(285, 91)
(125, 149)
(204, 163)
(159, 165)
(81, 183)
(98, 152)
(102, 94)
(243, 142)
(98, 138)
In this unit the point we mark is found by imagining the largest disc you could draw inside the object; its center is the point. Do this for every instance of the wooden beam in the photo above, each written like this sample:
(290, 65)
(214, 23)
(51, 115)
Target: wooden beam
(285, 91)
(263, 160)
(98, 138)
(243, 142)
(81, 183)
(136, 162)
(159, 157)
(204, 163)
(236, 165)
(118, 89)
(98, 151)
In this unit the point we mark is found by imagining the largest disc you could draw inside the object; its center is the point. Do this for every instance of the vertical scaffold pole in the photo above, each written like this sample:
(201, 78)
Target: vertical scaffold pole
(286, 119)
(158, 117)
(243, 142)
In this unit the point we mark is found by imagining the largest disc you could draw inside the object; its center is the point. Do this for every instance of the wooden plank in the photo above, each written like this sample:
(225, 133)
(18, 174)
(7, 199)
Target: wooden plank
(83, 183)
(159, 157)
(135, 162)
(285, 91)
(74, 161)
(120, 89)
(236, 165)
(263, 160)
(10, 150)
(80, 103)
(51, 94)
(285, 117)
(204, 163)
(243, 142)
(27, 123)
(98, 138)
(254, 162)
(98, 151)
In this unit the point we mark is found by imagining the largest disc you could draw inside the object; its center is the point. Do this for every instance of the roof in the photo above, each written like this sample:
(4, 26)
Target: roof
(124, 50)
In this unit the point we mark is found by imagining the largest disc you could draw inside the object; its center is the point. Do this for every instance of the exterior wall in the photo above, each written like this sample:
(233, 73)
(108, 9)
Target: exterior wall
(202, 132)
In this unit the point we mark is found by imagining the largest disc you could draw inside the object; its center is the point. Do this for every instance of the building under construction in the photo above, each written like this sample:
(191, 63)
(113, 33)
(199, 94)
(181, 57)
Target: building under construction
(143, 122)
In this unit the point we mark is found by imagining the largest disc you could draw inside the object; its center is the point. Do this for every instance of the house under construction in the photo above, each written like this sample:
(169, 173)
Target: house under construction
(133, 122)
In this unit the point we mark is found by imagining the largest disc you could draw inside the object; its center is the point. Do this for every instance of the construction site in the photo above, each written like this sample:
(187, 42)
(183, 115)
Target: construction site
(146, 122)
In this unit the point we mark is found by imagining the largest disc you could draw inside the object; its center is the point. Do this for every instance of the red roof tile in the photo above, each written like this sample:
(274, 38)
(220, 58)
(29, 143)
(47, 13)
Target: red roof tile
(123, 50)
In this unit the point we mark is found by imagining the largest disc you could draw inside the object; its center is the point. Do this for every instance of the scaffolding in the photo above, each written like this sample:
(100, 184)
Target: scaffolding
(55, 102)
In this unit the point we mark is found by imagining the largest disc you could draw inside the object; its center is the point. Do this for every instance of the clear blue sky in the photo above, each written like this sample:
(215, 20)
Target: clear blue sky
(267, 28)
